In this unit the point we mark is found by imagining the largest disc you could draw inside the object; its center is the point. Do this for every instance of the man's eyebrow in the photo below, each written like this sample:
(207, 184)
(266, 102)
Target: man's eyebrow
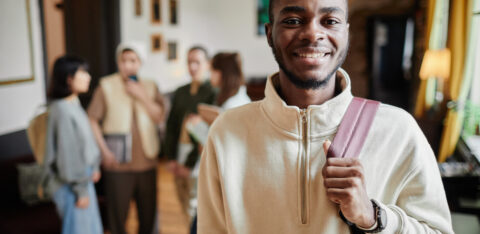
(327, 10)
(292, 9)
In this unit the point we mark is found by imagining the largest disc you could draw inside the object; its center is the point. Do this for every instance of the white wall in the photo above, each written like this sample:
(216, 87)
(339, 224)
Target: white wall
(18, 102)
(215, 24)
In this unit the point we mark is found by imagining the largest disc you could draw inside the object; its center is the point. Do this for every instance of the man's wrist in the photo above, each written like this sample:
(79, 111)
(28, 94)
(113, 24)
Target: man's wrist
(369, 221)
(380, 219)
(373, 227)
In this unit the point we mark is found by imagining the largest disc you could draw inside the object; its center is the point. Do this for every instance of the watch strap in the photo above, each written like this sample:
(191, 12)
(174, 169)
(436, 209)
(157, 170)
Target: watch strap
(380, 218)
(353, 228)
(377, 227)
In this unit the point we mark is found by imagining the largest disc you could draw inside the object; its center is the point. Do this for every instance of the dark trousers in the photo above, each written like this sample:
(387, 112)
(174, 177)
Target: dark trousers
(120, 188)
(193, 228)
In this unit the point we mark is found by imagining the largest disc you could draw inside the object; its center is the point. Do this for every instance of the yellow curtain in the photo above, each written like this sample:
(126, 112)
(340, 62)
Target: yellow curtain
(420, 104)
(461, 14)
(435, 38)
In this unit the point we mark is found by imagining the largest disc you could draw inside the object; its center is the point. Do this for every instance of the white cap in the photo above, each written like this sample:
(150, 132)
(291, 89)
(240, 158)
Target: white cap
(137, 47)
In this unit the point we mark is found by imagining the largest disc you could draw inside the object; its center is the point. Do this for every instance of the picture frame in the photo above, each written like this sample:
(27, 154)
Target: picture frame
(173, 12)
(157, 42)
(14, 68)
(156, 11)
(172, 51)
(138, 8)
(262, 16)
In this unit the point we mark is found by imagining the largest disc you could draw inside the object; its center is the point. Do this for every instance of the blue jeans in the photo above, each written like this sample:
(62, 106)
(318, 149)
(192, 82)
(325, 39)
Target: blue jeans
(76, 220)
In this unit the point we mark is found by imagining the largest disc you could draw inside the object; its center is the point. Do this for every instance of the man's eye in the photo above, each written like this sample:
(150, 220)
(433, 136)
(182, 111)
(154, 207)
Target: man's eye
(331, 22)
(292, 21)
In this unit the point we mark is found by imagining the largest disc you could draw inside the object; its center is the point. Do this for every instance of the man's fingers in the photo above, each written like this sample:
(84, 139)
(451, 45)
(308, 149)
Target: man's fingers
(342, 162)
(342, 182)
(326, 146)
(342, 172)
(337, 195)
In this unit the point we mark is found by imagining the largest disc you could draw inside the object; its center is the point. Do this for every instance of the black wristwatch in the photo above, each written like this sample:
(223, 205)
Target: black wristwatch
(380, 220)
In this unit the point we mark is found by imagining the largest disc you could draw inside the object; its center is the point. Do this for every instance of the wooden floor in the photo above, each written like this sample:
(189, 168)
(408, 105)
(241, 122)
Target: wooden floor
(171, 219)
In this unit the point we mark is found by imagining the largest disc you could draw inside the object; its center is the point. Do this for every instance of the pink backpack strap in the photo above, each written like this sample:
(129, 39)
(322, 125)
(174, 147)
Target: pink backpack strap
(354, 128)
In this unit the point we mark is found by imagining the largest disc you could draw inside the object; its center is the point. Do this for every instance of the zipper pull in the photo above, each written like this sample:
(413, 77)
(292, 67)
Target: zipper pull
(303, 113)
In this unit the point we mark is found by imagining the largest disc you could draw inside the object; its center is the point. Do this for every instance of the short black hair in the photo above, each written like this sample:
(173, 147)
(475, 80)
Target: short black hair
(64, 67)
(200, 48)
(270, 10)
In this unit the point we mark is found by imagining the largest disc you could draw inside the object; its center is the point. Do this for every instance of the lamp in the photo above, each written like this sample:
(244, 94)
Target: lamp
(436, 63)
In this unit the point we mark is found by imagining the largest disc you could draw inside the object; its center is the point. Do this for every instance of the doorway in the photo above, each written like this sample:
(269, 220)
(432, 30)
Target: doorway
(88, 28)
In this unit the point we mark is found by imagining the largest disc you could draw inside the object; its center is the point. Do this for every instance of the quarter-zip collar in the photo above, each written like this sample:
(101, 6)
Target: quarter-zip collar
(323, 119)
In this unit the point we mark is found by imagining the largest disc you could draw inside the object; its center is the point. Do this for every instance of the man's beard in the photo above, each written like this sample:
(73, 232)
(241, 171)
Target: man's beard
(309, 83)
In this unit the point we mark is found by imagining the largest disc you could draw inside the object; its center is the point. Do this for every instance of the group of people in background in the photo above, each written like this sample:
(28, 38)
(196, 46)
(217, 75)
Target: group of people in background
(119, 131)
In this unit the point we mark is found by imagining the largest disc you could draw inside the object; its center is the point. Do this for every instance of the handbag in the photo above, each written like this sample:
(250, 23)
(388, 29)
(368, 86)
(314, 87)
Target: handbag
(32, 177)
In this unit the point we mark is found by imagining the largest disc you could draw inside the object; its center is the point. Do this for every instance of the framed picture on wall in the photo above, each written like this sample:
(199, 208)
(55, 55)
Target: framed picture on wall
(172, 50)
(138, 8)
(157, 42)
(17, 56)
(156, 9)
(173, 12)
(262, 15)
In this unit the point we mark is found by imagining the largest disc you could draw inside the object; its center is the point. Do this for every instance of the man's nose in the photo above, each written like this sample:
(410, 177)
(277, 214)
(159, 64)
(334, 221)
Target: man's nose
(312, 32)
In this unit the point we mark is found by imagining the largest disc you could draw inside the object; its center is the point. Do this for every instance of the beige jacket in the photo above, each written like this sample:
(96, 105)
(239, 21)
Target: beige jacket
(253, 179)
(118, 118)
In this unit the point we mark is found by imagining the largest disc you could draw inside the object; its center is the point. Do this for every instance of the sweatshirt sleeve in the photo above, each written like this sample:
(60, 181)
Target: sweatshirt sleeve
(211, 211)
(421, 206)
(96, 165)
(70, 164)
(418, 210)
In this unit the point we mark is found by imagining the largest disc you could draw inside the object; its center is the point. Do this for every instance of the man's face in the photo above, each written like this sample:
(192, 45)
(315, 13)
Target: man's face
(197, 64)
(128, 64)
(309, 39)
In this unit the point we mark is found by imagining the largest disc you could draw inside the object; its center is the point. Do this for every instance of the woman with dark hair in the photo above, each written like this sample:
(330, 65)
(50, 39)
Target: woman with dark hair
(72, 157)
(227, 75)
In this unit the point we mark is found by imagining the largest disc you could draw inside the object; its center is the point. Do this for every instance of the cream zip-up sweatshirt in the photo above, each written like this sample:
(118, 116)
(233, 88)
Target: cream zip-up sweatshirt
(261, 170)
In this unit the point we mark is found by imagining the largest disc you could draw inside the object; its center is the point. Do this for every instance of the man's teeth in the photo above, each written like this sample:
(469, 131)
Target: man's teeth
(313, 55)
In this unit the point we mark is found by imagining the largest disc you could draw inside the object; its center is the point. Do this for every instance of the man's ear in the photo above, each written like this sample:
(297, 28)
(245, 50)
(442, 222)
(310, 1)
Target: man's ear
(268, 31)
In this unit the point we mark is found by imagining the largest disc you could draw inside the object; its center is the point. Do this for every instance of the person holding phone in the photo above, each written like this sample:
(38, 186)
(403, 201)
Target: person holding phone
(124, 113)
(72, 157)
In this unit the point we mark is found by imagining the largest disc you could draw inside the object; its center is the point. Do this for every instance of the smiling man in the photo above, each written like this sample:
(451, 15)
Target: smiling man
(264, 168)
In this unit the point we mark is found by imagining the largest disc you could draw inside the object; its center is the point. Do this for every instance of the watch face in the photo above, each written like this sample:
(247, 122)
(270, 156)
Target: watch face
(382, 218)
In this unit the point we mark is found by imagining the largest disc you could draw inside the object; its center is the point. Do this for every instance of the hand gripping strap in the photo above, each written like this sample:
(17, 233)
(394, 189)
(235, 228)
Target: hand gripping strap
(354, 128)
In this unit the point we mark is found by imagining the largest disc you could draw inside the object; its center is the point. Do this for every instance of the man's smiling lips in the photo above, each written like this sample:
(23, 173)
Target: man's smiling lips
(311, 56)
